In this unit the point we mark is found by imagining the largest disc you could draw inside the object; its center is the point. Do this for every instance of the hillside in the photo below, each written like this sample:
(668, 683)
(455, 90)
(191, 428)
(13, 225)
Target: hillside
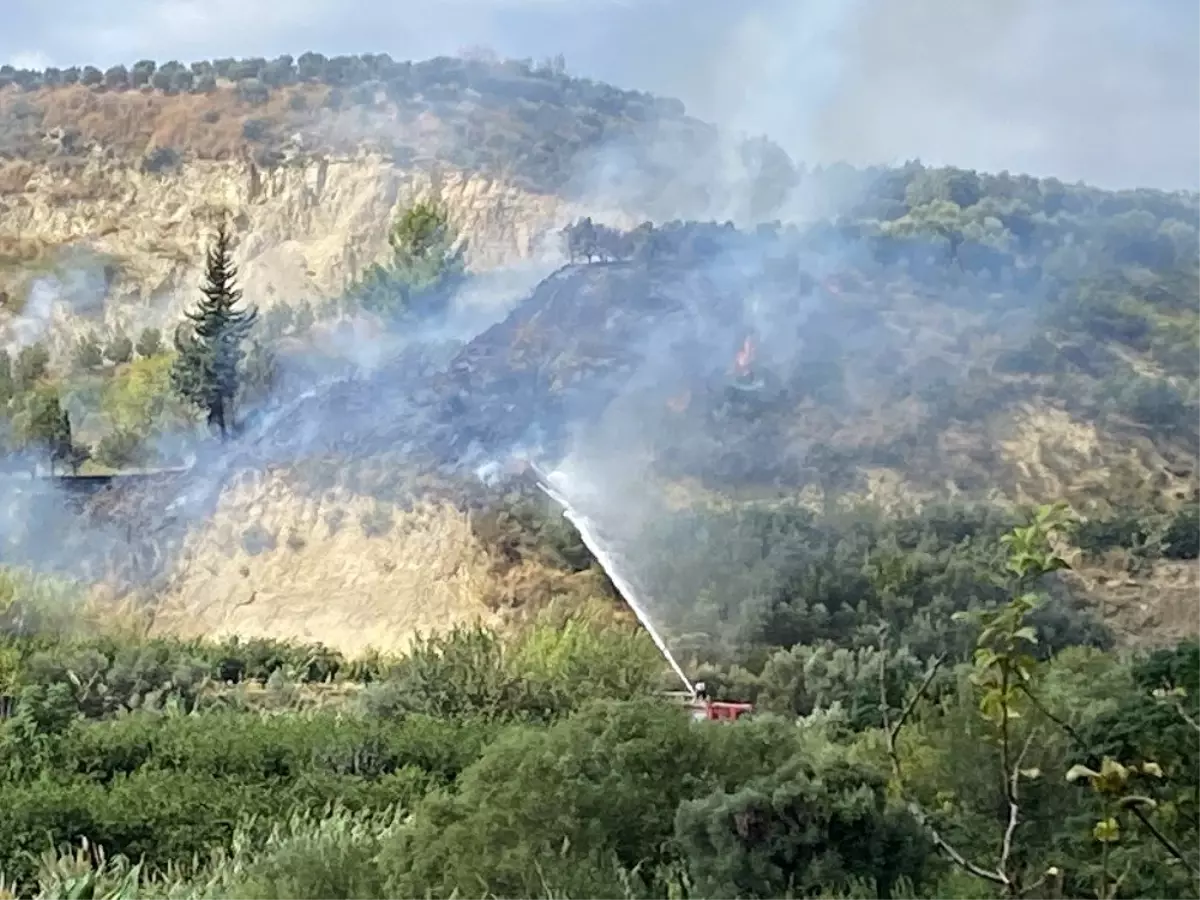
(913, 336)
(314, 157)
(811, 369)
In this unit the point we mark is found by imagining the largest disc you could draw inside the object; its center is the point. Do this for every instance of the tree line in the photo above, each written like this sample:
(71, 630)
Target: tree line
(359, 74)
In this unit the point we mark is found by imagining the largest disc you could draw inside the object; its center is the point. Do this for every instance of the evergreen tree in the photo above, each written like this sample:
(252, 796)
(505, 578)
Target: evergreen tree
(119, 349)
(45, 424)
(207, 372)
(88, 354)
(31, 366)
(427, 263)
(149, 343)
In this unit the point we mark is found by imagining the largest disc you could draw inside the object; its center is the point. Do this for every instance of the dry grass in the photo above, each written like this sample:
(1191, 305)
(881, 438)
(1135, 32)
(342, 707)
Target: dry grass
(15, 175)
(19, 251)
(1152, 607)
(344, 570)
(208, 126)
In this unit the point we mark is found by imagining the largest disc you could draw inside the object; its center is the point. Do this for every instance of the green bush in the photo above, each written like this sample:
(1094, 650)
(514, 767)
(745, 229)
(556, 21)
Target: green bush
(1128, 531)
(330, 852)
(106, 677)
(547, 672)
(119, 349)
(165, 788)
(162, 817)
(149, 343)
(249, 747)
(121, 449)
(1156, 403)
(572, 805)
(809, 829)
(1182, 537)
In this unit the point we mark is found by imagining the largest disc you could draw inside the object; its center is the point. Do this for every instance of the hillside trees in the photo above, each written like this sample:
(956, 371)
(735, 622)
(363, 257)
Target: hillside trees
(42, 424)
(588, 241)
(425, 265)
(30, 366)
(89, 355)
(119, 349)
(149, 343)
(207, 370)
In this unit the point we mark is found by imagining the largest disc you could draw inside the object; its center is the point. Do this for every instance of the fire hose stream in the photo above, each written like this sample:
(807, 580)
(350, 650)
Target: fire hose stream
(553, 488)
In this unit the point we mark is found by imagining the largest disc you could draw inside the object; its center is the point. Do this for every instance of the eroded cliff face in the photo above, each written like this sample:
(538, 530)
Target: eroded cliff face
(304, 229)
(342, 570)
(347, 570)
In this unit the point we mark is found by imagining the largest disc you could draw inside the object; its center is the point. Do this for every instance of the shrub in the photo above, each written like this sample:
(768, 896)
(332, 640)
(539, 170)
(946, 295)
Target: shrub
(161, 161)
(31, 365)
(120, 449)
(547, 672)
(811, 828)
(149, 343)
(1127, 530)
(256, 129)
(1156, 403)
(252, 748)
(1182, 537)
(119, 349)
(161, 817)
(571, 805)
(253, 91)
(88, 354)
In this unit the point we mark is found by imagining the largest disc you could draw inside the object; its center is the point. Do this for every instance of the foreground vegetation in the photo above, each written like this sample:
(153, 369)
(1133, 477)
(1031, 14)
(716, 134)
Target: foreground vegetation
(542, 764)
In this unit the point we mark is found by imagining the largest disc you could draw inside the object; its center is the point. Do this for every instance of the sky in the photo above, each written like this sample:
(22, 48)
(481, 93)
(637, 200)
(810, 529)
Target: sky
(1105, 91)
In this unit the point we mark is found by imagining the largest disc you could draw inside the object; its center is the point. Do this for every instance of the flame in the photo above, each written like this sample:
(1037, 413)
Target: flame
(744, 358)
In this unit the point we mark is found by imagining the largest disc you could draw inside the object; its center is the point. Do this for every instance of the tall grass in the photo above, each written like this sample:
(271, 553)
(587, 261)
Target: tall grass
(312, 856)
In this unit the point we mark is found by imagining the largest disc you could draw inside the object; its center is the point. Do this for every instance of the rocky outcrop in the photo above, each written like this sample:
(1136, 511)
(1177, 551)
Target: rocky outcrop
(304, 228)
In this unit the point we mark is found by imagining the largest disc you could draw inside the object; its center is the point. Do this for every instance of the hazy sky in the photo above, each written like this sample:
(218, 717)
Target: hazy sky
(1102, 90)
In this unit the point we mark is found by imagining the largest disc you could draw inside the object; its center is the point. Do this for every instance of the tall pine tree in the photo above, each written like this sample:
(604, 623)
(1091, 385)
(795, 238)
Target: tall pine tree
(207, 370)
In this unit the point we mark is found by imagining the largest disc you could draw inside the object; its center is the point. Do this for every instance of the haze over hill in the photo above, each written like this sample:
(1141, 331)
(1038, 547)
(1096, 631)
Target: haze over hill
(924, 334)
(1100, 90)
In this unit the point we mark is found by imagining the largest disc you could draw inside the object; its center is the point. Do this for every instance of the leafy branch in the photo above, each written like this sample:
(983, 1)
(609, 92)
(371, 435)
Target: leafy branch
(1003, 669)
